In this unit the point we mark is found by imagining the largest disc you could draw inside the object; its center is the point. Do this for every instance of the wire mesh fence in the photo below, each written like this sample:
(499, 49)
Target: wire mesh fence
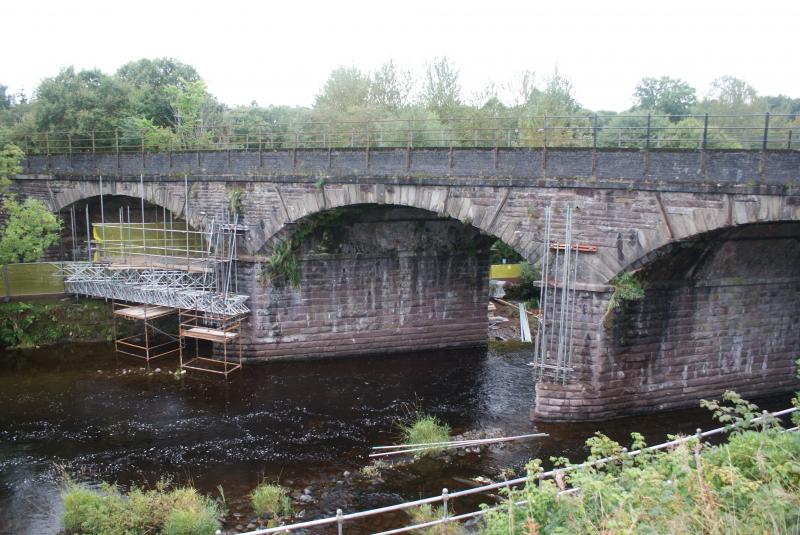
(31, 279)
(749, 132)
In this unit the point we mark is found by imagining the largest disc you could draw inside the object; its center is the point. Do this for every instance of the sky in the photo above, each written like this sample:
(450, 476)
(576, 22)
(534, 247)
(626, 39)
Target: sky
(282, 52)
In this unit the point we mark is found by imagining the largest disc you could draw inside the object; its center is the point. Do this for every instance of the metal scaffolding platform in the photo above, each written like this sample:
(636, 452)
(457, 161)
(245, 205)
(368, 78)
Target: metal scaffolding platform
(154, 341)
(222, 330)
(163, 267)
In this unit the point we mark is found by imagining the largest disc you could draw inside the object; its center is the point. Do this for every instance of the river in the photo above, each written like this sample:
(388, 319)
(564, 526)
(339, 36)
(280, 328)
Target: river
(80, 408)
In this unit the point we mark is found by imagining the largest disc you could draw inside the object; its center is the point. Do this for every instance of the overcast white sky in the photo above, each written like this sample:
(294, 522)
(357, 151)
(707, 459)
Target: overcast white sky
(282, 52)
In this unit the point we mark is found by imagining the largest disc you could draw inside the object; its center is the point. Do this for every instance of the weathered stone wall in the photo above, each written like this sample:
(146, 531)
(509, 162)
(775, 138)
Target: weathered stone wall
(631, 205)
(720, 313)
(391, 280)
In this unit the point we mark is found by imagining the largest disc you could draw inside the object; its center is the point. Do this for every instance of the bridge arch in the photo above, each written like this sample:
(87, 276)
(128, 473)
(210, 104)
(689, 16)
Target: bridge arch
(712, 215)
(481, 213)
(156, 194)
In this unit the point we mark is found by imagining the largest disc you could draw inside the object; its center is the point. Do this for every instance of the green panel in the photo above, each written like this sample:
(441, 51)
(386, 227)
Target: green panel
(32, 279)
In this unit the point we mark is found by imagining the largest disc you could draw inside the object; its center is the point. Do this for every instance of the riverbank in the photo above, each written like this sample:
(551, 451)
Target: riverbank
(47, 321)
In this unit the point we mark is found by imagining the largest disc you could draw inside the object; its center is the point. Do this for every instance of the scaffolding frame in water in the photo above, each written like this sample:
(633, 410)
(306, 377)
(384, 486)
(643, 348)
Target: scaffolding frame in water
(553, 348)
(221, 330)
(154, 341)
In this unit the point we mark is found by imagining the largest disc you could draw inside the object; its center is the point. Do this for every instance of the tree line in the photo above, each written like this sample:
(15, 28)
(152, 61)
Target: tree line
(164, 103)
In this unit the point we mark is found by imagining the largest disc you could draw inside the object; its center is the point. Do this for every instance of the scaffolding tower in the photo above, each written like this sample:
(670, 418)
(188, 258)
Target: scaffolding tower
(154, 342)
(151, 270)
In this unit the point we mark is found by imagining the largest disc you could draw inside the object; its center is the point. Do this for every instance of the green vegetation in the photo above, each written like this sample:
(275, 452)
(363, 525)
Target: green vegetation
(10, 158)
(270, 500)
(626, 288)
(527, 290)
(284, 262)
(164, 510)
(163, 104)
(30, 229)
(500, 253)
(749, 485)
(425, 430)
(25, 325)
(427, 513)
(236, 200)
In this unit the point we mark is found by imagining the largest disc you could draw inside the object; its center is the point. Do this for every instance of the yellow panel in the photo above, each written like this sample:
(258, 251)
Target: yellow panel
(505, 271)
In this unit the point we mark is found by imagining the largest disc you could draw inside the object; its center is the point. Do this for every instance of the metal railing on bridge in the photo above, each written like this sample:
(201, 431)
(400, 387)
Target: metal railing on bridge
(644, 131)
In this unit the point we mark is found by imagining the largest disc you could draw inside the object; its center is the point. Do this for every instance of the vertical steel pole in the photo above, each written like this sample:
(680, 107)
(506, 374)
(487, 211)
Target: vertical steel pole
(647, 138)
(72, 225)
(339, 521)
(144, 231)
(88, 236)
(594, 132)
(186, 214)
(102, 218)
(705, 131)
(766, 132)
(789, 141)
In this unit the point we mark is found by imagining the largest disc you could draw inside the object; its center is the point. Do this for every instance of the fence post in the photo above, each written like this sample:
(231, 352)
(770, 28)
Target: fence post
(789, 141)
(705, 131)
(339, 521)
(93, 143)
(445, 498)
(647, 138)
(545, 131)
(766, 131)
(594, 132)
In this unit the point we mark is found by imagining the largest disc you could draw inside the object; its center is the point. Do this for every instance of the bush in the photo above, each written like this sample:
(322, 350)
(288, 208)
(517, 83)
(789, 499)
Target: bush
(425, 430)
(270, 500)
(177, 511)
(750, 485)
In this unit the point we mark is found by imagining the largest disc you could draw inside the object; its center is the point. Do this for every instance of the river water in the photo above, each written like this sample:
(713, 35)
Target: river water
(103, 418)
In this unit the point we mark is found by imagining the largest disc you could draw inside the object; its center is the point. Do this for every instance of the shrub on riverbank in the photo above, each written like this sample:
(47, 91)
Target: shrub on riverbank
(425, 430)
(270, 500)
(164, 510)
(749, 485)
(31, 324)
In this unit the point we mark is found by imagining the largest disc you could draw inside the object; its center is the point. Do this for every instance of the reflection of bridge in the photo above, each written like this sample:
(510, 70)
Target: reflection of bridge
(395, 255)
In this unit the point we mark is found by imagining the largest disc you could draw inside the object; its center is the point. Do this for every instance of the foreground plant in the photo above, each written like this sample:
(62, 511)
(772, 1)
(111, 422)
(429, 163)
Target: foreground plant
(750, 485)
(270, 500)
(164, 510)
(426, 430)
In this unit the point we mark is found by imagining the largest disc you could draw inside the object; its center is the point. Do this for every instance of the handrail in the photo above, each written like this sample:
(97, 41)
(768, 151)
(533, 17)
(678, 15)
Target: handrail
(643, 131)
(446, 496)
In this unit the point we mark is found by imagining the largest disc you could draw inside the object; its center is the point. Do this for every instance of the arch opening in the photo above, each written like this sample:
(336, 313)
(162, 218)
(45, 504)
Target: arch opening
(83, 224)
(721, 310)
(370, 278)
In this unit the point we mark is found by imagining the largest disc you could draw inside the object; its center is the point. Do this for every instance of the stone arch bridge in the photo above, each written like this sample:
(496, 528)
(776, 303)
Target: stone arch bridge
(714, 234)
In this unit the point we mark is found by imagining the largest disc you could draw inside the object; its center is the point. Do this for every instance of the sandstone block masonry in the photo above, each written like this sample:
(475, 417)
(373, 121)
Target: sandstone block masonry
(392, 280)
(695, 333)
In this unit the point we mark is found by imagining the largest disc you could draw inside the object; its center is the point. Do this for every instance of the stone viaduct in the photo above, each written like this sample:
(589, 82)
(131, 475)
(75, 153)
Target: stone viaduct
(715, 236)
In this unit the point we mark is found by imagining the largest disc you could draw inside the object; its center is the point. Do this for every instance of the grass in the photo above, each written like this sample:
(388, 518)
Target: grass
(427, 513)
(749, 485)
(164, 510)
(424, 430)
(270, 500)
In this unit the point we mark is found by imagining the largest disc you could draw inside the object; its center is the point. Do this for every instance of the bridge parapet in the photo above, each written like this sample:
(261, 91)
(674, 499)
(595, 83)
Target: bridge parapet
(671, 170)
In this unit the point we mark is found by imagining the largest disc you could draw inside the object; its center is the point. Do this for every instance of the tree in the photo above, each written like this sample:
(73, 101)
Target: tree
(150, 80)
(345, 89)
(30, 229)
(668, 96)
(441, 89)
(82, 102)
(733, 93)
(10, 158)
(390, 87)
